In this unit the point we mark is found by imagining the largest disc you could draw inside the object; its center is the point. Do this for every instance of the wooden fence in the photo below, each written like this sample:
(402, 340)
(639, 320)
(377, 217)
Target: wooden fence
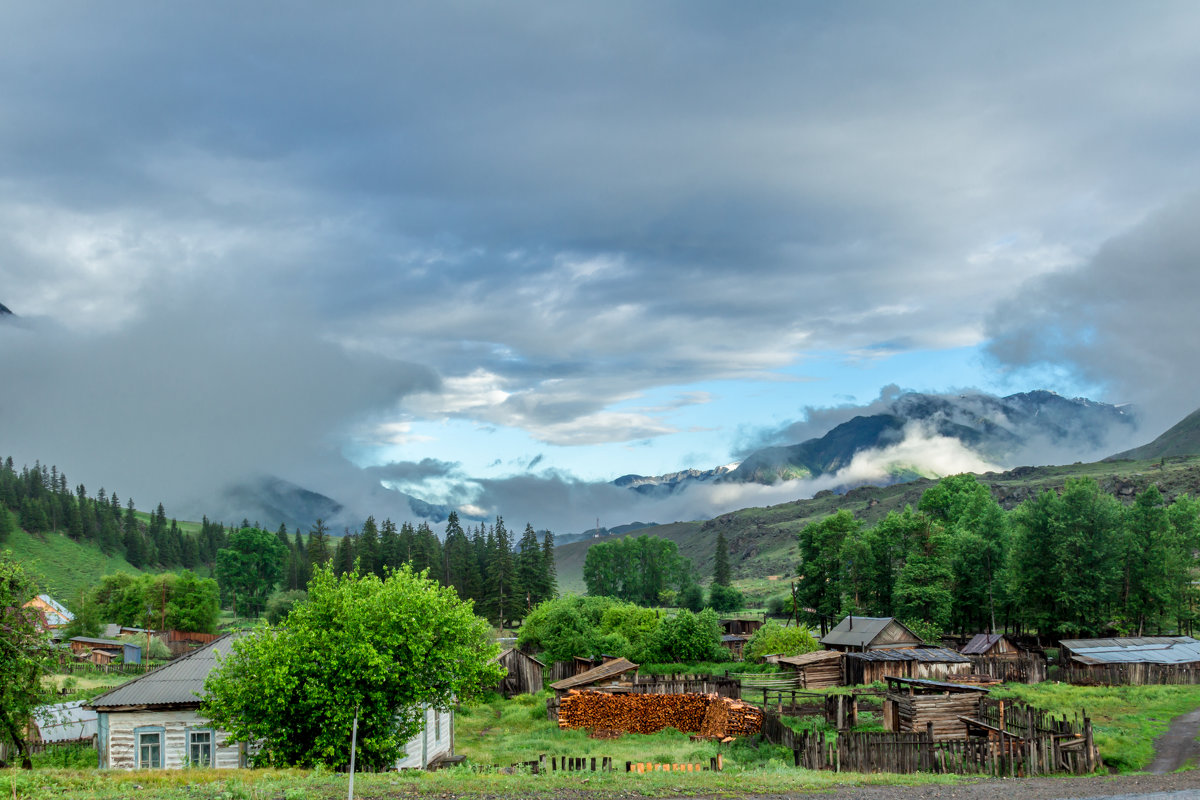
(1128, 674)
(1000, 755)
(73, 667)
(688, 684)
(1024, 669)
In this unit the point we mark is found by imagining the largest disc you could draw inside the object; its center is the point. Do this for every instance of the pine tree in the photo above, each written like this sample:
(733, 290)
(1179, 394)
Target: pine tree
(389, 546)
(549, 572)
(318, 544)
(721, 561)
(529, 572)
(368, 548)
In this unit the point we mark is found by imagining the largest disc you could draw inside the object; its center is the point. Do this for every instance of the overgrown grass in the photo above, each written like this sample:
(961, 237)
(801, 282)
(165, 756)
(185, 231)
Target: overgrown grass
(1125, 719)
(61, 566)
(774, 778)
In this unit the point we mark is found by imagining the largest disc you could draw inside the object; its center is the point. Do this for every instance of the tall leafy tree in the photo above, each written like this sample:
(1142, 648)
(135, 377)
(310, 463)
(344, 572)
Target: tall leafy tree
(24, 655)
(250, 568)
(379, 648)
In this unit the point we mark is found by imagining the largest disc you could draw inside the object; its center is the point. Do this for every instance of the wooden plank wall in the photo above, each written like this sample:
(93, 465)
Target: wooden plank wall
(1129, 674)
(1026, 668)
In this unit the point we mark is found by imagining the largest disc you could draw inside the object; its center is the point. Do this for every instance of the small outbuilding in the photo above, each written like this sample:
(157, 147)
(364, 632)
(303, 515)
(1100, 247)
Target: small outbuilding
(618, 675)
(921, 663)
(817, 670)
(106, 651)
(63, 722)
(859, 634)
(912, 704)
(525, 673)
(996, 656)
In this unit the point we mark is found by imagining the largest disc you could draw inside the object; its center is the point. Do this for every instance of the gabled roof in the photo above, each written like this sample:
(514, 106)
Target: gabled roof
(981, 642)
(179, 683)
(1146, 650)
(522, 653)
(612, 669)
(861, 631)
(65, 615)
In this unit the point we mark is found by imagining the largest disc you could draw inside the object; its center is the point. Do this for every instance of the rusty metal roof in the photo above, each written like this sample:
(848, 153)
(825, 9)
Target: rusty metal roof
(181, 682)
(1142, 650)
(934, 655)
(612, 669)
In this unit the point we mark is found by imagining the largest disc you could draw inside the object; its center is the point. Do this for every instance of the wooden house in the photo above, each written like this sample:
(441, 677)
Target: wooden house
(153, 721)
(923, 663)
(912, 704)
(524, 673)
(1128, 660)
(859, 634)
(735, 634)
(618, 675)
(816, 670)
(54, 615)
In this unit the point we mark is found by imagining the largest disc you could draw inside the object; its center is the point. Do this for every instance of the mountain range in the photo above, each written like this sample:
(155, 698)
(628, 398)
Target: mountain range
(999, 430)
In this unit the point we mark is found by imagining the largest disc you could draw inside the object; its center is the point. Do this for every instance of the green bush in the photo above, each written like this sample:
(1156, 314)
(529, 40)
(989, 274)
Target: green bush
(775, 638)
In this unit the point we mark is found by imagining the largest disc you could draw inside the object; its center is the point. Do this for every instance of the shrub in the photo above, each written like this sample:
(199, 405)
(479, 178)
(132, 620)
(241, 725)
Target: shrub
(776, 638)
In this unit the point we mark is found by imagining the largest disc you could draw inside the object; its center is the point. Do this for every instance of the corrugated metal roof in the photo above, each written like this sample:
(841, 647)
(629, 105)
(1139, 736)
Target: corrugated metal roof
(1144, 650)
(113, 643)
(861, 631)
(609, 670)
(63, 615)
(180, 682)
(65, 722)
(980, 643)
(921, 683)
(935, 655)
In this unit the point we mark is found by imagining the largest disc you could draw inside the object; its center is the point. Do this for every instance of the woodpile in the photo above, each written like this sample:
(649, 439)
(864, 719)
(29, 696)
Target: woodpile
(708, 714)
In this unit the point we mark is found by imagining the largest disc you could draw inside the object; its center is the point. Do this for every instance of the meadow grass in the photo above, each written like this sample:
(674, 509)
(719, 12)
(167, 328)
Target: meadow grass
(62, 567)
(1125, 719)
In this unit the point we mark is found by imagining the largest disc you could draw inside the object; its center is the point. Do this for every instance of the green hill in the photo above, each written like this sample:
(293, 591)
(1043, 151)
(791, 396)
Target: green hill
(762, 541)
(1182, 439)
(62, 566)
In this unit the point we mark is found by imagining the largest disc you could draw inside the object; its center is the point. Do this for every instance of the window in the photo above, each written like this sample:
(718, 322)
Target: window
(149, 747)
(200, 748)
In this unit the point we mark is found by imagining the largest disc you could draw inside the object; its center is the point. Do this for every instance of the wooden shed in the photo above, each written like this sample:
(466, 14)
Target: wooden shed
(859, 634)
(105, 651)
(911, 704)
(923, 663)
(524, 673)
(618, 675)
(816, 670)
(1131, 660)
(996, 656)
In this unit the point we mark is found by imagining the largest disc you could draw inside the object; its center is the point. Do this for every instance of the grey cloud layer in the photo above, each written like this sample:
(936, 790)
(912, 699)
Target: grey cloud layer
(578, 202)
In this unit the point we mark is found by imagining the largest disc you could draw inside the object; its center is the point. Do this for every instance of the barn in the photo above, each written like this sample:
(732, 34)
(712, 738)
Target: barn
(859, 634)
(152, 722)
(524, 673)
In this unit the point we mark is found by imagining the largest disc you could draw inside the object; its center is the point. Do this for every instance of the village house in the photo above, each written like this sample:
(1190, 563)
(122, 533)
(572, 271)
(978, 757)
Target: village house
(1130, 660)
(859, 634)
(54, 615)
(152, 722)
(994, 655)
(912, 706)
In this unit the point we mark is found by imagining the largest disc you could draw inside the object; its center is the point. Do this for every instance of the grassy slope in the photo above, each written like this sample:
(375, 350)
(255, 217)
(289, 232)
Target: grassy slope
(762, 541)
(61, 566)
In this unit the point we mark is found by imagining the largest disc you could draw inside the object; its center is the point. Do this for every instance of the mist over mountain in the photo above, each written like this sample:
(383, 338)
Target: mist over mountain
(913, 434)
(4, 311)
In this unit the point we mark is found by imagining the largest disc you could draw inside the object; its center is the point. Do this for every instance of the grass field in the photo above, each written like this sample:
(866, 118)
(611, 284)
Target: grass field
(61, 566)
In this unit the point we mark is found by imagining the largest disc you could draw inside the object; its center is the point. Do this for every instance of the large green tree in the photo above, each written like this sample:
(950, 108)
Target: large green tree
(384, 647)
(24, 655)
(250, 567)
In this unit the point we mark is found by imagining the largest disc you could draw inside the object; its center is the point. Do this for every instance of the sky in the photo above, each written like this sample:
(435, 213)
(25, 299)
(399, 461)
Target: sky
(498, 254)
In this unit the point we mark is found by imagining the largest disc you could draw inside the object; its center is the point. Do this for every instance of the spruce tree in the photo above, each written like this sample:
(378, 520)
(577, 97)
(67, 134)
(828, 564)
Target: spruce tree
(549, 572)
(721, 561)
(368, 548)
(318, 544)
(529, 574)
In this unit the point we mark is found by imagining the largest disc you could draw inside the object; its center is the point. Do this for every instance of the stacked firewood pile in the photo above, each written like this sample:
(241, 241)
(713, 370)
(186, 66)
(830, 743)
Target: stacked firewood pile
(708, 714)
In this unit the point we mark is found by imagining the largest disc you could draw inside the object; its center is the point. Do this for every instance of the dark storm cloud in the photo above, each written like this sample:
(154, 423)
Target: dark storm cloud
(1126, 319)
